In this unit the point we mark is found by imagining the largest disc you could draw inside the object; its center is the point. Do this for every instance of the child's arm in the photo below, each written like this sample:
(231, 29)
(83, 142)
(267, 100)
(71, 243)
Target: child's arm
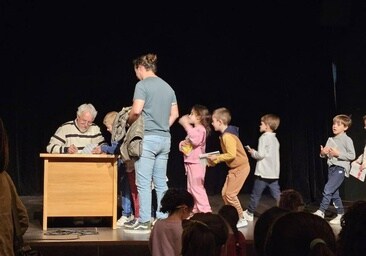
(109, 149)
(229, 144)
(263, 149)
(325, 151)
(347, 153)
(184, 121)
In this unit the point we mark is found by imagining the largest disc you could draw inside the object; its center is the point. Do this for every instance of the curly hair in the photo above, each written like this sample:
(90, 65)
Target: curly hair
(174, 198)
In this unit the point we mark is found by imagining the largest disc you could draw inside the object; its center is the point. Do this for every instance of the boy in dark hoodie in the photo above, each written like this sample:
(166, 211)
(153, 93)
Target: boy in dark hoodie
(235, 157)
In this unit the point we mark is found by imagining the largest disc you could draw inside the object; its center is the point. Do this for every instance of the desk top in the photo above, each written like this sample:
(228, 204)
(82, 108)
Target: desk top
(47, 155)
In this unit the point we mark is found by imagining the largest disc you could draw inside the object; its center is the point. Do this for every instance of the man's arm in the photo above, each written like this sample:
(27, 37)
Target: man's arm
(135, 111)
(174, 114)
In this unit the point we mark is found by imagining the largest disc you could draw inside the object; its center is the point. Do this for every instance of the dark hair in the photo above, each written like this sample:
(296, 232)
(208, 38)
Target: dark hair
(300, 234)
(148, 61)
(204, 234)
(174, 198)
(263, 225)
(204, 113)
(352, 237)
(291, 200)
(230, 214)
(4, 147)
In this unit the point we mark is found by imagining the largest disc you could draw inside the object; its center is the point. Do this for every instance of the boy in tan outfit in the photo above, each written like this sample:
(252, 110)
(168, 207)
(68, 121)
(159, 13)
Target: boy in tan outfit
(235, 157)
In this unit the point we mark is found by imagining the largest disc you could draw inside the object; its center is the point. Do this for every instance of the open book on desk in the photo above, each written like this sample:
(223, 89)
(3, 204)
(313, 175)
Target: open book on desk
(203, 157)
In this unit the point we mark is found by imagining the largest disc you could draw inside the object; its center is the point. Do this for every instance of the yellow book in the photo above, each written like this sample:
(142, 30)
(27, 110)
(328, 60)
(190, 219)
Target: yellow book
(187, 149)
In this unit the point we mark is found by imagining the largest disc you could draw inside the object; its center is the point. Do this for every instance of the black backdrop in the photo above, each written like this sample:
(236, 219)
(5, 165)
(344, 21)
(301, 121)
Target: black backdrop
(273, 56)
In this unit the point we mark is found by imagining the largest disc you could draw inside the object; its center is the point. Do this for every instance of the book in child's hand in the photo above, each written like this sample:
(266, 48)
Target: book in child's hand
(357, 172)
(203, 157)
(187, 149)
(331, 143)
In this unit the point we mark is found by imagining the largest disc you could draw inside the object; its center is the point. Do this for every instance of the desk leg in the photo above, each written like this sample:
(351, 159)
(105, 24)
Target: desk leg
(45, 194)
(44, 222)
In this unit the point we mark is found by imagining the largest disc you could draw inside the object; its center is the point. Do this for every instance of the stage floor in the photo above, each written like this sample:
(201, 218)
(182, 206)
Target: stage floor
(61, 231)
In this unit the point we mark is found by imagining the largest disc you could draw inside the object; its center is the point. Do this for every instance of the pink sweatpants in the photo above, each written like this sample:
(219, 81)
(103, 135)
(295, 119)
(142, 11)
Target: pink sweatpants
(196, 186)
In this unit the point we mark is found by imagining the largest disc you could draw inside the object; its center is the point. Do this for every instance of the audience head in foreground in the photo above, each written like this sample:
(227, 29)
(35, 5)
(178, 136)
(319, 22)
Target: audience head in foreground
(291, 200)
(352, 237)
(236, 242)
(263, 225)
(300, 234)
(204, 234)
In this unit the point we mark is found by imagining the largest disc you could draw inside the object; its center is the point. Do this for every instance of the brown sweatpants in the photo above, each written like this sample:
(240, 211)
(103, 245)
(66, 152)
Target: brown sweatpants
(234, 182)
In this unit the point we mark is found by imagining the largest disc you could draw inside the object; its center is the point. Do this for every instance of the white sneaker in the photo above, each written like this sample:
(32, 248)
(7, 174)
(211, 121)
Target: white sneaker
(248, 216)
(336, 220)
(319, 213)
(242, 223)
(121, 221)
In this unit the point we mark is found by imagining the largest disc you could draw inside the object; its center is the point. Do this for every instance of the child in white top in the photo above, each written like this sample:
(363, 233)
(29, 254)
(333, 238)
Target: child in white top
(267, 170)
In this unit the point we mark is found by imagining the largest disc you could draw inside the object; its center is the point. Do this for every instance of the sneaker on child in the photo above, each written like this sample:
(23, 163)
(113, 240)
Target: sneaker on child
(121, 221)
(319, 213)
(336, 220)
(242, 223)
(248, 216)
(153, 221)
(132, 223)
(141, 227)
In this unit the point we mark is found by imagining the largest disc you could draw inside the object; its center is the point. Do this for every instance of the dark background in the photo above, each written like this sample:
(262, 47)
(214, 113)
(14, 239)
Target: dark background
(256, 58)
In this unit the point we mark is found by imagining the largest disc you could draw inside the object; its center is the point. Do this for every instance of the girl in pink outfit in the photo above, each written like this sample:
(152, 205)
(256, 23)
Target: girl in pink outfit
(197, 126)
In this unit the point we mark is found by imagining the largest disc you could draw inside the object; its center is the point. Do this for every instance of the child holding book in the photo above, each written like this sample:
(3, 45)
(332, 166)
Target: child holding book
(267, 169)
(235, 157)
(126, 173)
(197, 126)
(339, 152)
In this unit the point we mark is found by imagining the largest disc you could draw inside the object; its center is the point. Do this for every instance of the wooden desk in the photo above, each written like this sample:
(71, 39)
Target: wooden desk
(79, 185)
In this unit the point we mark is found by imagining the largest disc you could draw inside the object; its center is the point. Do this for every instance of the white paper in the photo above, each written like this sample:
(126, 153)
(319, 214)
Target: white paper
(331, 143)
(203, 157)
(88, 148)
(355, 171)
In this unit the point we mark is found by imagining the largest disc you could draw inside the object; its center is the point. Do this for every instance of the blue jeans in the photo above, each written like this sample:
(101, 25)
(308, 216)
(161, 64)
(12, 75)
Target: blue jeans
(151, 167)
(331, 189)
(124, 188)
(258, 188)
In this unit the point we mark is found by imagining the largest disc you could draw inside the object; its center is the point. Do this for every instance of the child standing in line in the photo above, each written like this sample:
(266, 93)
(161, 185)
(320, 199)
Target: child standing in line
(267, 169)
(235, 157)
(339, 152)
(166, 234)
(197, 126)
(126, 176)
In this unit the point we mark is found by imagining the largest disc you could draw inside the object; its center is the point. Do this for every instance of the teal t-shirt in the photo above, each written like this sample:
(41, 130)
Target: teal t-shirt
(159, 98)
